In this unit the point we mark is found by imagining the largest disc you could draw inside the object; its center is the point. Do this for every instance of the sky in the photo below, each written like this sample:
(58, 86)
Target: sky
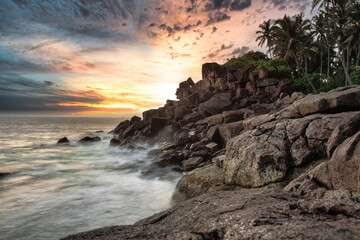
(119, 57)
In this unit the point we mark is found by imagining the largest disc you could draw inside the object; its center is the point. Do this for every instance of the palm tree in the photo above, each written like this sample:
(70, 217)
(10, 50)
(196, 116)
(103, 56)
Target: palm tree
(292, 40)
(265, 35)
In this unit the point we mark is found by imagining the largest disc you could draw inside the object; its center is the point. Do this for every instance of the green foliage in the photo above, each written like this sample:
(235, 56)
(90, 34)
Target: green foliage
(355, 74)
(276, 67)
(321, 82)
(249, 58)
(216, 85)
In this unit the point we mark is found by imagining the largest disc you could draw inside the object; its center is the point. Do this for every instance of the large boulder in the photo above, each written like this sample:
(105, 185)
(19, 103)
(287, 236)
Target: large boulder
(121, 127)
(199, 181)
(149, 114)
(244, 214)
(90, 139)
(130, 130)
(339, 99)
(157, 124)
(216, 104)
(63, 140)
(258, 157)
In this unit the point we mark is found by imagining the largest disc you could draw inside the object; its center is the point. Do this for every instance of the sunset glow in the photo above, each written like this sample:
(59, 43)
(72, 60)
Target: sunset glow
(118, 57)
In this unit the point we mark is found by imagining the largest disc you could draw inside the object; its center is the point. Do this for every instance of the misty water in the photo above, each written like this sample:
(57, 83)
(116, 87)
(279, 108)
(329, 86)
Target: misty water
(57, 190)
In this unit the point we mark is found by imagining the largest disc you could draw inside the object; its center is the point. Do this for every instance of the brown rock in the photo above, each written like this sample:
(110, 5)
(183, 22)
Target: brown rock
(192, 163)
(217, 104)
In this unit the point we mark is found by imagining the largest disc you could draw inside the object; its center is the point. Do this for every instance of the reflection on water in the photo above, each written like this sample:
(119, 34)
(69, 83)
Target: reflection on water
(58, 190)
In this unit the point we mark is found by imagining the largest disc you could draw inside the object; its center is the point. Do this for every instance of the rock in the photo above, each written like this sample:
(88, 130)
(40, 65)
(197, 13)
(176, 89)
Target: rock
(217, 104)
(167, 158)
(4, 174)
(344, 130)
(193, 117)
(182, 138)
(230, 130)
(130, 130)
(258, 157)
(157, 124)
(167, 147)
(213, 147)
(63, 140)
(153, 152)
(166, 133)
(200, 153)
(212, 120)
(121, 126)
(192, 163)
(252, 123)
(234, 116)
(90, 139)
(115, 142)
(213, 134)
(198, 182)
(266, 82)
(242, 75)
(263, 73)
(301, 153)
(219, 160)
(244, 214)
(181, 111)
(339, 99)
(148, 115)
(135, 119)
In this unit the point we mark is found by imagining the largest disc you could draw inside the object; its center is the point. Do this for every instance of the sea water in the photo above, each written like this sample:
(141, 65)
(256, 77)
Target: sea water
(56, 190)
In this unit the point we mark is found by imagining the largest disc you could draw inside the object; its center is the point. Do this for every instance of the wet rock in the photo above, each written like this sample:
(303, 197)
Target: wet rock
(90, 139)
(135, 119)
(153, 152)
(115, 142)
(121, 127)
(167, 147)
(130, 130)
(63, 140)
(182, 138)
(148, 115)
(167, 158)
(4, 174)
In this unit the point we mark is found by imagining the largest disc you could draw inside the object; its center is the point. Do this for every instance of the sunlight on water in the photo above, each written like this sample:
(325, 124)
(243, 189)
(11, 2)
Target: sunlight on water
(57, 190)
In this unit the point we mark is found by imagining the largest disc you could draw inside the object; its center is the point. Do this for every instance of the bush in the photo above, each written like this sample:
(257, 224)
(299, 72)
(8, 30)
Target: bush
(216, 85)
(321, 82)
(249, 58)
(277, 68)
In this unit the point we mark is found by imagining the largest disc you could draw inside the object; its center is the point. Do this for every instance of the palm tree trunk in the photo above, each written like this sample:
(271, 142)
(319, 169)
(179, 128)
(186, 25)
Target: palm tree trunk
(306, 76)
(343, 62)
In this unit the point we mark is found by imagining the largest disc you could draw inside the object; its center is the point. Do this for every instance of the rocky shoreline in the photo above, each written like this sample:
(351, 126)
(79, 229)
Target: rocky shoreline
(288, 163)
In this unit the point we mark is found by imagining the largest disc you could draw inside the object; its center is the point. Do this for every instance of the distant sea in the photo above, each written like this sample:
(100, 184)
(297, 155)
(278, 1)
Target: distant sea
(56, 190)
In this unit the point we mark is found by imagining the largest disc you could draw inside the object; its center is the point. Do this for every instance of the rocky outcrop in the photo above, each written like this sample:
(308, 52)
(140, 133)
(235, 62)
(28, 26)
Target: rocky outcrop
(63, 140)
(90, 139)
(244, 214)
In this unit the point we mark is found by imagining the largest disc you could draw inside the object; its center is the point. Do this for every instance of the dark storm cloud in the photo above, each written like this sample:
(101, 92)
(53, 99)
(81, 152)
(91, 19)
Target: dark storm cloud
(216, 17)
(240, 51)
(232, 5)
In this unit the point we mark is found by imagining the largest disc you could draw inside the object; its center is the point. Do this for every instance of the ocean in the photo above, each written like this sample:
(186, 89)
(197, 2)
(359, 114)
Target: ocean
(56, 190)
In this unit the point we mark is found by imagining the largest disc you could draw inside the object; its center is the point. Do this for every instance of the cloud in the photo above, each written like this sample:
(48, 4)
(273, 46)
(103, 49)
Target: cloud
(240, 51)
(217, 17)
(213, 54)
(300, 5)
(232, 5)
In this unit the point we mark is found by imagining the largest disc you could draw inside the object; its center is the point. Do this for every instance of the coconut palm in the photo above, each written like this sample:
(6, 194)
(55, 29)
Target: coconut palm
(292, 40)
(265, 35)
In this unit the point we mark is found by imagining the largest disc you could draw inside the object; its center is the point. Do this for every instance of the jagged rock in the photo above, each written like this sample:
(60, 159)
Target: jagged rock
(199, 181)
(244, 214)
(167, 158)
(301, 152)
(153, 152)
(217, 104)
(234, 115)
(213, 134)
(219, 160)
(63, 140)
(342, 131)
(192, 163)
(258, 157)
(252, 123)
(230, 130)
(242, 75)
(149, 114)
(200, 153)
(193, 117)
(339, 99)
(135, 119)
(157, 124)
(121, 126)
(115, 142)
(182, 138)
(166, 133)
(212, 120)
(213, 147)
(130, 130)
(181, 111)
(90, 139)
